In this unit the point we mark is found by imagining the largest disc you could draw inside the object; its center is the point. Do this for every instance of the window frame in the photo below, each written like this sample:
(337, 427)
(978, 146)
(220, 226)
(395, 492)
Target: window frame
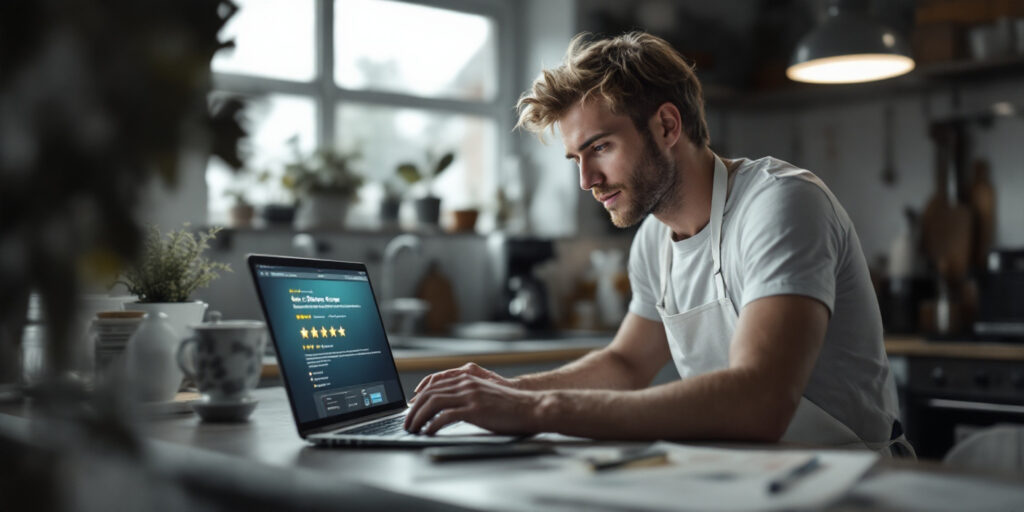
(327, 95)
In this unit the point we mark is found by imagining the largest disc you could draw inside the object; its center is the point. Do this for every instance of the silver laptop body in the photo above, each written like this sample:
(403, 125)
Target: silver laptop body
(334, 357)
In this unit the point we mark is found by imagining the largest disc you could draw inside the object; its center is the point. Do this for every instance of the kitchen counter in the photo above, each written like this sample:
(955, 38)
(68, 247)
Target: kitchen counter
(437, 353)
(264, 464)
(912, 346)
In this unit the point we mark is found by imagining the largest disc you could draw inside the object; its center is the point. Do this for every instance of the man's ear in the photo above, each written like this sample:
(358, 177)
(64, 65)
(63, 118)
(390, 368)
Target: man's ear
(667, 125)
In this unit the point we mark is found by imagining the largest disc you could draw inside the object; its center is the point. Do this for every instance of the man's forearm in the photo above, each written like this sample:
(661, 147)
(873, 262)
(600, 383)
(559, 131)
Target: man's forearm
(601, 369)
(729, 404)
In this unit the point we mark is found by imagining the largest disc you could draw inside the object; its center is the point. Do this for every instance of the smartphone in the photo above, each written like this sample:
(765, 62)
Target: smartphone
(485, 451)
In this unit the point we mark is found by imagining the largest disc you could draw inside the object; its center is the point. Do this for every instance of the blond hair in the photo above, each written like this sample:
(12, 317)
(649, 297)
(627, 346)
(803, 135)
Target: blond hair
(633, 74)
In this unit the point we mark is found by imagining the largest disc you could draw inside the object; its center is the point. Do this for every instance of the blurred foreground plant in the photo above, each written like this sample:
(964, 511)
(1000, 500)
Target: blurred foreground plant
(96, 100)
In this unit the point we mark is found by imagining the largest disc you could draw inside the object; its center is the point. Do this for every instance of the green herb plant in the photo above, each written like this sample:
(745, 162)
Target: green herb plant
(172, 266)
(326, 171)
(411, 173)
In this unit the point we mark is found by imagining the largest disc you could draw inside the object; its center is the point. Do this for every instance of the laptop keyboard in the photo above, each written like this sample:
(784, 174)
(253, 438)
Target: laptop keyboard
(385, 427)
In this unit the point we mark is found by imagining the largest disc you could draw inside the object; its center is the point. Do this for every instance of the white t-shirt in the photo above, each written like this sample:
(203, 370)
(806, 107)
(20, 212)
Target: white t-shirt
(784, 232)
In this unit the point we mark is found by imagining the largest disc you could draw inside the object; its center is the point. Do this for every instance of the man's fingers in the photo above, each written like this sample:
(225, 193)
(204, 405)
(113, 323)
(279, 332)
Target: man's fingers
(427, 408)
(470, 369)
(433, 378)
(445, 418)
(424, 382)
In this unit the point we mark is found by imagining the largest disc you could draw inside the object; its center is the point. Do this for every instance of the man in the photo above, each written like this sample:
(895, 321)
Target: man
(803, 360)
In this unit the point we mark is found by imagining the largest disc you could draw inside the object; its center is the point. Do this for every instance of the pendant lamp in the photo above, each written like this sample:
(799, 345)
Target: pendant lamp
(849, 47)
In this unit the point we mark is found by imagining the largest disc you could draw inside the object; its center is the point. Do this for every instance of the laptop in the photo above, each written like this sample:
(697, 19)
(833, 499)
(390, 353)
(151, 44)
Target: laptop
(335, 359)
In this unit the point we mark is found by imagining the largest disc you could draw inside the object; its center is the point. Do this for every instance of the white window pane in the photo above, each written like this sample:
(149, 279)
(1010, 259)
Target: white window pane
(273, 39)
(389, 136)
(423, 51)
(272, 122)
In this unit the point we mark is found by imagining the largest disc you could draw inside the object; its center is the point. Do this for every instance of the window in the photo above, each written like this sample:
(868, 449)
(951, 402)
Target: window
(422, 51)
(395, 81)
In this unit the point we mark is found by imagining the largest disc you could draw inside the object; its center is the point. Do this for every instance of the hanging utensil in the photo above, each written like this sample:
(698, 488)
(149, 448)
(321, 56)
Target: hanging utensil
(889, 176)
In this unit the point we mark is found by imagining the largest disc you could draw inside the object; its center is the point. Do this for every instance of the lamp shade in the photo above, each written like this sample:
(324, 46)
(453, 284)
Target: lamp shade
(849, 47)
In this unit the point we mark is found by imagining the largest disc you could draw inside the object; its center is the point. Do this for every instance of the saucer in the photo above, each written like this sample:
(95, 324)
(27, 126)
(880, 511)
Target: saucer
(225, 412)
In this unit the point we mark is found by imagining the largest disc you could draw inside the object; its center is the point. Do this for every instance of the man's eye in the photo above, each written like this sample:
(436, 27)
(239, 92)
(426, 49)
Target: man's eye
(600, 147)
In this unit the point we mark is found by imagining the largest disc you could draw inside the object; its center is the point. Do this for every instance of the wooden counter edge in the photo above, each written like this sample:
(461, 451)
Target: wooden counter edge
(911, 346)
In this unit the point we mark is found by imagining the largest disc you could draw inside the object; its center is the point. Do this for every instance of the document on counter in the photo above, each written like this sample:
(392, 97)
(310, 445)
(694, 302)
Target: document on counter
(934, 492)
(702, 478)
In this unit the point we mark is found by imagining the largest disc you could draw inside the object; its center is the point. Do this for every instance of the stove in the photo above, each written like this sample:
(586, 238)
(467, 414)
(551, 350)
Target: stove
(947, 399)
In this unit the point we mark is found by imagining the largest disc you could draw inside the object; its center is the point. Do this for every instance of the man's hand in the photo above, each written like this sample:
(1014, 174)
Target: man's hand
(466, 369)
(463, 396)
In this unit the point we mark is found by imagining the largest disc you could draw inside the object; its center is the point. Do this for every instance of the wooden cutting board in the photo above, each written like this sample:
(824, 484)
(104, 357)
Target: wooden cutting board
(437, 290)
(947, 226)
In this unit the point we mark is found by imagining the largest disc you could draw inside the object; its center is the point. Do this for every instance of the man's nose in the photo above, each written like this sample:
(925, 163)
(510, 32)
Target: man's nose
(590, 176)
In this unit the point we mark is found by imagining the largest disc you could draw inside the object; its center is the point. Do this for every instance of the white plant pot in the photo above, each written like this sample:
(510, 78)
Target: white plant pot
(322, 211)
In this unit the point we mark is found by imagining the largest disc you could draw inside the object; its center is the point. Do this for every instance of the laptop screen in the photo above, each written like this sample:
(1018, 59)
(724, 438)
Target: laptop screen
(330, 340)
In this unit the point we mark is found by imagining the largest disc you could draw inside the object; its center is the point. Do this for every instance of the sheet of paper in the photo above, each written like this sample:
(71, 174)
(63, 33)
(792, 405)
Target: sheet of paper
(699, 478)
(915, 490)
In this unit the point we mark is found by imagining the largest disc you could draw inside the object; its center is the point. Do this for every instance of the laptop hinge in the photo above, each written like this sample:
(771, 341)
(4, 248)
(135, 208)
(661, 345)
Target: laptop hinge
(365, 419)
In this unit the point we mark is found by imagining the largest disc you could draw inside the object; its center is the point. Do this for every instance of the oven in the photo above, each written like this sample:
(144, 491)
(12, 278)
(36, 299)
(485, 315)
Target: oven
(946, 399)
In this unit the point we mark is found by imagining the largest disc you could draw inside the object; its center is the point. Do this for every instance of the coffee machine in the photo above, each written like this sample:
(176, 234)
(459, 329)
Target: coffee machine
(1001, 304)
(522, 297)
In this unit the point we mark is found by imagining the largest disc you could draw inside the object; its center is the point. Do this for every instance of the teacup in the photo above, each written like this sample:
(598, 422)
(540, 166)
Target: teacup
(227, 359)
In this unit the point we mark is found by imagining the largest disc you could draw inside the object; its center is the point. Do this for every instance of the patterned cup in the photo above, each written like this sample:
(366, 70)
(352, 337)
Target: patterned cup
(227, 359)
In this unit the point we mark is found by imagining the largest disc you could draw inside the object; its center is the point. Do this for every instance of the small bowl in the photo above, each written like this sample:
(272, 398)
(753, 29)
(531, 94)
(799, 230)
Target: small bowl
(225, 412)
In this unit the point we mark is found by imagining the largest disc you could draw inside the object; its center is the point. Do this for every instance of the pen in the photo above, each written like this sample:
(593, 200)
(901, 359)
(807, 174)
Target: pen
(786, 481)
(631, 459)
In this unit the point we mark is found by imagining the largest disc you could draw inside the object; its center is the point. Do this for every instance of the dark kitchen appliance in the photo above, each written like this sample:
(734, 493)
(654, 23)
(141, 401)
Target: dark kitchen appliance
(946, 399)
(1001, 297)
(523, 297)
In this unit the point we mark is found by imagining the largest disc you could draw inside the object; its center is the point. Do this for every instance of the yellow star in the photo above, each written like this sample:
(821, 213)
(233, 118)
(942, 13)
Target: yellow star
(305, 333)
(323, 332)
(341, 331)
(316, 333)
(334, 332)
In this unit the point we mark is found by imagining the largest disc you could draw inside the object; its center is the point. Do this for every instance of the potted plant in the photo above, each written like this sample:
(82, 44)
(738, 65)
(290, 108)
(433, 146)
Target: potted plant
(428, 207)
(242, 211)
(390, 204)
(325, 184)
(464, 220)
(280, 210)
(170, 268)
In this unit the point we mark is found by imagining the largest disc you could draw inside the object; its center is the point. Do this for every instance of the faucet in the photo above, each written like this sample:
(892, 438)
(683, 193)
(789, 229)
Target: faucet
(391, 251)
(401, 314)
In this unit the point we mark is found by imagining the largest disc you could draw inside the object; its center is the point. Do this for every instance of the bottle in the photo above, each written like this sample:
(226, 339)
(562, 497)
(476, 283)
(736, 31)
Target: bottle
(611, 305)
(151, 360)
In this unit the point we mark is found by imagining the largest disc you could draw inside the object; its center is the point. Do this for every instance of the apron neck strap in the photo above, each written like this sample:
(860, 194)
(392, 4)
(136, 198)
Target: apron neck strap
(719, 193)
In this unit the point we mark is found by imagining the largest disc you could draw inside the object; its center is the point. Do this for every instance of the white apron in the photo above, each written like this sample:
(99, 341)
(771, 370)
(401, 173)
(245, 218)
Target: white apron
(699, 339)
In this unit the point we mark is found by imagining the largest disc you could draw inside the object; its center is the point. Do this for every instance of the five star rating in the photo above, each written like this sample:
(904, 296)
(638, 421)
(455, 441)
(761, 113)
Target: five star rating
(322, 332)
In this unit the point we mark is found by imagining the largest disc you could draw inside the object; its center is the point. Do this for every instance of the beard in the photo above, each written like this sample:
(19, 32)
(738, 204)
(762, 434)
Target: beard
(647, 189)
